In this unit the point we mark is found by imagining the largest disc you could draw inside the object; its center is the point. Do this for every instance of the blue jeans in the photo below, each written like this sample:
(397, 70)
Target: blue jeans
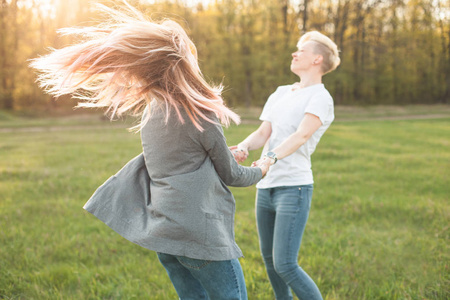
(205, 279)
(281, 215)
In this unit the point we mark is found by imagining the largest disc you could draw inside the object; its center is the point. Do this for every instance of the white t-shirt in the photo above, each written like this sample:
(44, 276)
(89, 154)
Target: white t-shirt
(285, 109)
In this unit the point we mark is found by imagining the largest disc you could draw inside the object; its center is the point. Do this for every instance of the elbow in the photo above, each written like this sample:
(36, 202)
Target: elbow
(228, 180)
(304, 138)
(301, 138)
(265, 134)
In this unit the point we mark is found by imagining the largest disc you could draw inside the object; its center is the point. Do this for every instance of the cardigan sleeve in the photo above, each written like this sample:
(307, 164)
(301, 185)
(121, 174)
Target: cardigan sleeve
(232, 174)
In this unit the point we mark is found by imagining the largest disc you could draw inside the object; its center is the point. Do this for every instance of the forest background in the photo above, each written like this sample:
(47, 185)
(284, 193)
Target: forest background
(392, 51)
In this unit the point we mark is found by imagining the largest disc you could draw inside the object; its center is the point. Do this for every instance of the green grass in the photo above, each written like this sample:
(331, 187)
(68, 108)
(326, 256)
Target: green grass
(378, 227)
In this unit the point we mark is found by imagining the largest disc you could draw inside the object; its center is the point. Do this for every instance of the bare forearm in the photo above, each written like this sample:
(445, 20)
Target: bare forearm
(253, 142)
(258, 138)
(308, 126)
(290, 145)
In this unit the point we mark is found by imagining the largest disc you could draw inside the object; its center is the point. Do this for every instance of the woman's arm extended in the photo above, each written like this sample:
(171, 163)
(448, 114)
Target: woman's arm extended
(258, 138)
(305, 130)
(254, 141)
(232, 174)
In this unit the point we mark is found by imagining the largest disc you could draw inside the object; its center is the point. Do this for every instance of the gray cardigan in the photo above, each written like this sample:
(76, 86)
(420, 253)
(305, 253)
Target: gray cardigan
(174, 198)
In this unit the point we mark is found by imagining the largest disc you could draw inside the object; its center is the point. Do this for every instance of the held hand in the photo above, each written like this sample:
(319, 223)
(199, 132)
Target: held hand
(264, 164)
(239, 154)
(243, 151)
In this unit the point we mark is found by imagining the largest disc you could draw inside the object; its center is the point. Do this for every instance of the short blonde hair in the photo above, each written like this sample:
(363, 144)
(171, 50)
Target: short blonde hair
(325, 47)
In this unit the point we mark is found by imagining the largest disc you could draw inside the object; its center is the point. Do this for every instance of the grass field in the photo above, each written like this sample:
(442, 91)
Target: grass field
(378, 228)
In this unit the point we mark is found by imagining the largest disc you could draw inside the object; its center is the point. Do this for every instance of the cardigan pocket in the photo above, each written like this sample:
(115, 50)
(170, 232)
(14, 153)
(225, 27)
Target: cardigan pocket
(216, 233)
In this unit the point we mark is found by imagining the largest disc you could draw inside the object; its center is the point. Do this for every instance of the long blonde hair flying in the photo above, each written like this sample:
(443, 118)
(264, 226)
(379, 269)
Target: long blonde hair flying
(126, 63)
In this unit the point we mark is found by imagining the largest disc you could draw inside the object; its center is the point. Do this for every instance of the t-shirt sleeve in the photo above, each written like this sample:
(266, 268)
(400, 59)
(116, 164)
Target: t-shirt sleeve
(321, 106)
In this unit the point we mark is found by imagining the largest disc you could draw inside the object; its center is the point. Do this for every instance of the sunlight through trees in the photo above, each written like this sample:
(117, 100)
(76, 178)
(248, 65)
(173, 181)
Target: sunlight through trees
(393, 51)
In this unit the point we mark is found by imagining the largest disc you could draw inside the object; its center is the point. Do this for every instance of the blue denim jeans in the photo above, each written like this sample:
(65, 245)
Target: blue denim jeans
(281, 215)
(196, 279)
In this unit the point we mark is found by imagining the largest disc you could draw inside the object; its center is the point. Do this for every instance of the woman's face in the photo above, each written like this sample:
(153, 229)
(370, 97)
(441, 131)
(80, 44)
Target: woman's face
(303, 58)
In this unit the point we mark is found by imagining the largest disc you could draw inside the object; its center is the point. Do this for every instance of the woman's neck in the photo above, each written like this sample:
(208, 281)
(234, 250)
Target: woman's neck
(309, 80)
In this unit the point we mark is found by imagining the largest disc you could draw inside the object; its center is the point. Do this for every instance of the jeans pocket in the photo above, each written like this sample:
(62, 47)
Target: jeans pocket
(301, 194)
(305, 193)
(193, 263)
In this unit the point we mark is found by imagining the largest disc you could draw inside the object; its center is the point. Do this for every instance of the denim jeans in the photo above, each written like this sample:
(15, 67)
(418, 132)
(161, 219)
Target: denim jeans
(205, 279)
(281, 215)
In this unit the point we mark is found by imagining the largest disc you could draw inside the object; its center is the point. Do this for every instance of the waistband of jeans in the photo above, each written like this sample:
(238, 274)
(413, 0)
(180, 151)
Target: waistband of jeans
(288, 187)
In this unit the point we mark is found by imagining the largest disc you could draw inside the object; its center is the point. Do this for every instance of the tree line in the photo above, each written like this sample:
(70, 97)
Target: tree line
(392, 51)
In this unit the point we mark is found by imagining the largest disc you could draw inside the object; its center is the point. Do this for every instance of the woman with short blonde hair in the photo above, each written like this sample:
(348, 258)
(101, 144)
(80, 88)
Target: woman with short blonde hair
(294, 119)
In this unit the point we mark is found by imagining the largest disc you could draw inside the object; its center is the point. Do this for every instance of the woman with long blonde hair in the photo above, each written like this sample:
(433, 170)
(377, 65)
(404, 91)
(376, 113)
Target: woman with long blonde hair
(172, 199)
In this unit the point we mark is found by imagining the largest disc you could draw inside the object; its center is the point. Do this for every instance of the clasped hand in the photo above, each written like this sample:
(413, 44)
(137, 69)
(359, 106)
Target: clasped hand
(241, 155)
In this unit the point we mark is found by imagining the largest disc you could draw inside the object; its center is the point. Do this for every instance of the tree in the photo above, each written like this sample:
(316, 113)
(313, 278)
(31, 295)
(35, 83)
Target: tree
(9, 45)
(392, 52)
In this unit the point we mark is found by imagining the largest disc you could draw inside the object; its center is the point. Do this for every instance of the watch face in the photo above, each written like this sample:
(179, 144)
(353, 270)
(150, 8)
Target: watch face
(272, 155)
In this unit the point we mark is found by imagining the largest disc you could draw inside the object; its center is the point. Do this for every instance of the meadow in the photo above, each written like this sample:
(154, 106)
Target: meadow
(378, 227)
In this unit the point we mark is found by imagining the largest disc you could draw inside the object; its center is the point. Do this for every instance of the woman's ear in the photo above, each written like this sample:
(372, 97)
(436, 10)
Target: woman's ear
(318, 60)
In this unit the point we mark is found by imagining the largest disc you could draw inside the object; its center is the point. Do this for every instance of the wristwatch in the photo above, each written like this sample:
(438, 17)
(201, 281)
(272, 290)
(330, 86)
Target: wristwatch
(272, 155)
